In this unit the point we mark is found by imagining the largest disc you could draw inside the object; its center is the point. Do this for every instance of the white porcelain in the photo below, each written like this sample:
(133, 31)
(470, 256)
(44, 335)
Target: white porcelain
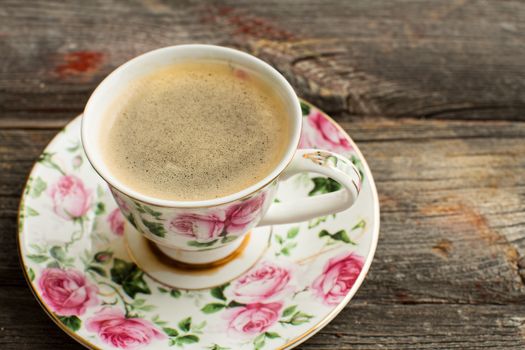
(202, 231)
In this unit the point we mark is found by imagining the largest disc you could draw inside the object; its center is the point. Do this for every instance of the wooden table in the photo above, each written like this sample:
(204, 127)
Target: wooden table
(432, 92)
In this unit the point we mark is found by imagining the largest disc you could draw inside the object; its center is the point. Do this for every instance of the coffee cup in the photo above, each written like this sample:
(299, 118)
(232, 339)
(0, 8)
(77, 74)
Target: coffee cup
(203, 231)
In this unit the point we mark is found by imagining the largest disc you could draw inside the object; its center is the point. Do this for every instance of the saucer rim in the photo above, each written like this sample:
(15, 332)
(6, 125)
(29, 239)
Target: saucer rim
(373, 244)
(289, 345)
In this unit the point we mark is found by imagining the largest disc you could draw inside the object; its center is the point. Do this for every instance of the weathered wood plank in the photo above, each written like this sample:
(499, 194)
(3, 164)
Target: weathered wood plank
(453, 59)
(361, 326)
(365, 326)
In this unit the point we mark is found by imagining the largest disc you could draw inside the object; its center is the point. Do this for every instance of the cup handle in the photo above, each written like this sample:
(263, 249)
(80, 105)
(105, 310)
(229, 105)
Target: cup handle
(326, 163)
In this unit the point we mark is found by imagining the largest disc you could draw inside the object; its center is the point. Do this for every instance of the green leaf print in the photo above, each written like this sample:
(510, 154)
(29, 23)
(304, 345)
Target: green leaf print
(317, 221)
(130, 277)
(218, 292)
(53, 265)
(200, 244)
(324, 185)
(218, 347)
(272, 335)
(100, 208)
(212, 307)
(180, 338)
(360, 224)
(74, 147)
(131, 220)
(170, 331)
(234, 303)
(155, 227)
(305, 109)
(292, 233)
(187, 339)
(31, 212)
(289, 246)
(289, 310)
(259, 341)
(175, 293)
(297, 318)
(71, 322)
(139, 208)
(152, 212)
(185, 324)
(340, 235)
(300, 318)
(156, 319)
(46, 159)
(286, 243)
(31, 274)
(58, 253)
(37, 187)
(227, 239)
(38, 258)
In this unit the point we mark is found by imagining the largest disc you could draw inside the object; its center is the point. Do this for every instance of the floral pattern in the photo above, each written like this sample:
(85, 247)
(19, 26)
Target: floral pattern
(71, 199)
(67, 292)
(323, 134)
(72, 251)
(253, 319)
(194, 229)
(203, 228)
(338, 276)
(265, 283)
(233, 220)
(114, 328)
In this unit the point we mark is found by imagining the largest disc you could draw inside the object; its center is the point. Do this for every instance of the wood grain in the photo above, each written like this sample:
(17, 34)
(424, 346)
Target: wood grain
(455, 59)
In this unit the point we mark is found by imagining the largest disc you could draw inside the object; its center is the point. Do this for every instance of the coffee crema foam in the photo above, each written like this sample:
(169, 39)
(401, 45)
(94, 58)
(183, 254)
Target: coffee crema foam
(195, 131)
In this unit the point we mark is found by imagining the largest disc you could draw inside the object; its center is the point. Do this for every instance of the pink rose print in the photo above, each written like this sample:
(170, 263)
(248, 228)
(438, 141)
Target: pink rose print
(115, 329)
(116, 222)
(326, 134)
(264, 283)
(71, 199)
(253, 319)
(241, 215)
(67, 292)
(338, 276)
(204, 228)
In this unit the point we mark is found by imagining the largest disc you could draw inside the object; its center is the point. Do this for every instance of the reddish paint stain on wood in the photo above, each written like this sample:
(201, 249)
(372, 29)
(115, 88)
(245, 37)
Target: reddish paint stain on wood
(79, 62)
(244, 24)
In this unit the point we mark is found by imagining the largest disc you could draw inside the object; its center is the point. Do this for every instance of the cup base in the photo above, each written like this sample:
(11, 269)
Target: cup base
(201, 260)
(202, 273)
(196, 258)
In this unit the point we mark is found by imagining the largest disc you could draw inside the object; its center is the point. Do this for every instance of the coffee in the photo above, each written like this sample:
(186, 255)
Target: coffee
(195, 131)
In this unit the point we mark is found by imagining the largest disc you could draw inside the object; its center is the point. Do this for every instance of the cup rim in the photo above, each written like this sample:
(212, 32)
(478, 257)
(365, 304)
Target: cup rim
(276, 77)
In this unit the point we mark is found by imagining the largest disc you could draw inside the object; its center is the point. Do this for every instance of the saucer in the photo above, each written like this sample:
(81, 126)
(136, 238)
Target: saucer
(75, 248)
